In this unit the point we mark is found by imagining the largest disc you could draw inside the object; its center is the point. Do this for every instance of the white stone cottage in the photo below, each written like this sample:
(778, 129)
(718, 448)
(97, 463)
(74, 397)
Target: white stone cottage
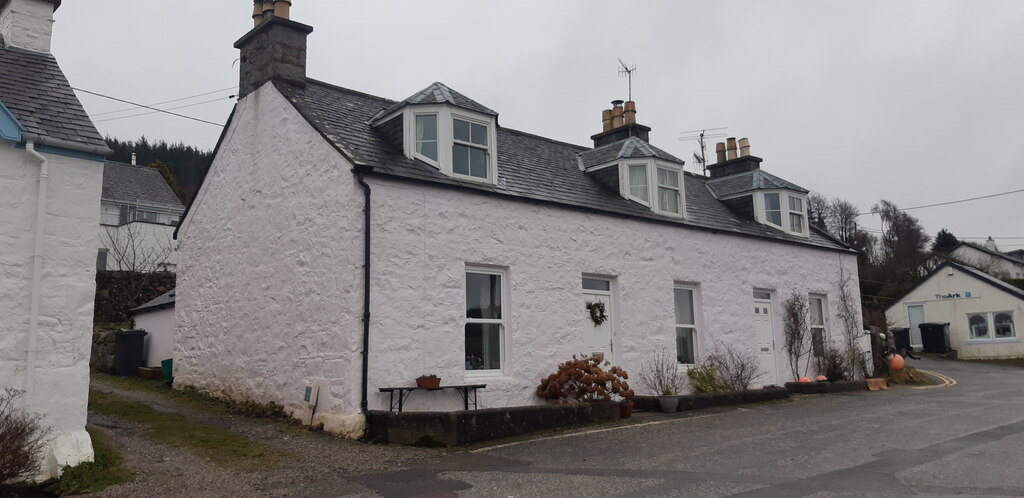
(483, 246)
(980, 309)
(138, 215)
(988, 259)
(51, 173)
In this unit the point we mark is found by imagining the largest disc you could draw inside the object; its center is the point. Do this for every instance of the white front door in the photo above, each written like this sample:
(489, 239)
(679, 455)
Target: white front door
(916, 316)
(764, 337)
(597, 337)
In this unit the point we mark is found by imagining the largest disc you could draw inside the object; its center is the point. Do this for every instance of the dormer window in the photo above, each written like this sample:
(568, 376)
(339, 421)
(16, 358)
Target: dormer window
(469, 148)
(426, 136)
(785, 211)
(666, 195)
(638, 183)
(668, 190)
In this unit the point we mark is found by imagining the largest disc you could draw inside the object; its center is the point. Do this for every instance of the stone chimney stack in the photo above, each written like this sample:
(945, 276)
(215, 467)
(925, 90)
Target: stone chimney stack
(619, 123)
(27, 24)
(731, 160)
(275, 49)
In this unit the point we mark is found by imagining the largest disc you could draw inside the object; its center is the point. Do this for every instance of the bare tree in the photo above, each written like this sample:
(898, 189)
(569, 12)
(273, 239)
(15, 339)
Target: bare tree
(849, 319)
(818, 207)
(133, 250)
(735, 366)
(661, 374)
(22, 440)
(796, 332)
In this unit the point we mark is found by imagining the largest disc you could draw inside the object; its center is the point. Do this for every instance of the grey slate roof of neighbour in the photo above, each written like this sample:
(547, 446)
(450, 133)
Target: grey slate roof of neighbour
(130, 184)
(989, 251)
(529, 167)
(627, 148)
(750, 180)
(165, 300)
(438, 93)
(34, 89)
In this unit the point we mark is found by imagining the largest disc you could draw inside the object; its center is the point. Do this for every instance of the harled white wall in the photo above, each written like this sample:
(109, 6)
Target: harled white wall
(159, 341)
(68, 290)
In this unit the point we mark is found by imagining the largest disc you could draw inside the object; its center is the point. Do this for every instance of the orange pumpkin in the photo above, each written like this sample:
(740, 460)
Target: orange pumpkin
(805, 379)
(896, 362)
(821, 378)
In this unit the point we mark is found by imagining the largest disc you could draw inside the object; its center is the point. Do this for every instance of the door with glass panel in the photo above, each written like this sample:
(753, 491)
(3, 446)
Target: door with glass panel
(764, 337)
(597, 300)
(915, 315)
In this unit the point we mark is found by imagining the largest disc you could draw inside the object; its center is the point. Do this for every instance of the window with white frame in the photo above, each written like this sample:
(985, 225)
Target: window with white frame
(818, 332)
(686, 324)
(773, 209)
(638, 183)
(668, 191)
(992, 325)
(426, 136)
(485, 322)
(796, 214)
(469, 148)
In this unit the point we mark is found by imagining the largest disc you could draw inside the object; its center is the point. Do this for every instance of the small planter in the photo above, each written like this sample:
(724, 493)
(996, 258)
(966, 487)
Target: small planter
(428, 382)
(626, 409)
(669, 404)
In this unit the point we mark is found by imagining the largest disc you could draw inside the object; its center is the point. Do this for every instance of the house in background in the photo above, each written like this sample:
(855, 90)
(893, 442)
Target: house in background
(988, 259)
(51, 175)
(352, 242)
(139, 212)
(156, 317)
(981, 311)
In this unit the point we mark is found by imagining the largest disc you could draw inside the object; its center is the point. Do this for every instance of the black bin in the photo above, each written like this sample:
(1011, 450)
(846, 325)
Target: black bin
(129, 351)
(902, 339)
(935, 337)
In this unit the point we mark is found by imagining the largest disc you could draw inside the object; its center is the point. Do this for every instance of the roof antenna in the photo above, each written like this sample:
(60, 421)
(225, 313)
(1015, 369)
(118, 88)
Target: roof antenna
(699, 135)
(628, 71)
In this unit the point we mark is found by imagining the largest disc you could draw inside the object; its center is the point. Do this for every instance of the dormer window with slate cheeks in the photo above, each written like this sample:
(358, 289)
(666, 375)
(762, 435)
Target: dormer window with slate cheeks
(782, 209)
(445, 130)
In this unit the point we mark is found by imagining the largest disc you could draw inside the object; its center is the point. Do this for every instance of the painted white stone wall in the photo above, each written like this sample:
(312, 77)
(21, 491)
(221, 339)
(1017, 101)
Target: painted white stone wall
(27, 24)
(996, 266)
(269, 286)
(68, 282)
(144, 247)
(159, 340)
(269, 293)
(934, 294)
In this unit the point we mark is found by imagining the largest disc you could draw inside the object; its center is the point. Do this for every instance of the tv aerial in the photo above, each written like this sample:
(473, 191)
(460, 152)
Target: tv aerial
(628, 72)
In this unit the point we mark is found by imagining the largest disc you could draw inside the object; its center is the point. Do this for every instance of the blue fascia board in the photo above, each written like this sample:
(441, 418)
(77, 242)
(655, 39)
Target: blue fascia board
(10, 128)
(67, 153)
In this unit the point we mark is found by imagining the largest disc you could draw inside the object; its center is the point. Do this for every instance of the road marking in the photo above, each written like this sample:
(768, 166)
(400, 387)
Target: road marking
(593, 431)
(946, 381)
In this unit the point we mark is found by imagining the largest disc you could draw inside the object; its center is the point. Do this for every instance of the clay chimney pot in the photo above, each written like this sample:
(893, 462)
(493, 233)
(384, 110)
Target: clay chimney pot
(720, 152)
(257, 13)
(282, 8)
(744, 147)
(617, 118)
(630, 112)
(606, 120)
(730, 147)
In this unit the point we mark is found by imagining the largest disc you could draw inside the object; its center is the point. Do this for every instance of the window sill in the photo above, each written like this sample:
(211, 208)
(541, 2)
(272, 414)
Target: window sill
(1005, 340)
(479, 374)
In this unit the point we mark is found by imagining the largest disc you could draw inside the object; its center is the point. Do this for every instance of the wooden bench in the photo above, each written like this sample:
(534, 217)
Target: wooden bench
(464, 390)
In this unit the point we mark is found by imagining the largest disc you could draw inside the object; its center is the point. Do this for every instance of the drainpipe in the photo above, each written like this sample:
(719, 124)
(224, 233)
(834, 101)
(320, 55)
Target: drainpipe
(364, 405)
(37, 271)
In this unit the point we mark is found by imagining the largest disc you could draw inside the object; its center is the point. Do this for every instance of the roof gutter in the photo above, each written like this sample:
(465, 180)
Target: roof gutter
(364, 401)
(37, 271)
(40, 140)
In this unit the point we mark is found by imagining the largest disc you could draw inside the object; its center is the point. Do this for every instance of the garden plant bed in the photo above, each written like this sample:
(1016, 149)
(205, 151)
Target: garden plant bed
(708, 400)
(463, 427)
(839, 386)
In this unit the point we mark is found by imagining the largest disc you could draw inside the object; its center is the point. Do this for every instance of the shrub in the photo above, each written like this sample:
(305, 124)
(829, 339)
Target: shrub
(735, 367)
(834, 365)
(704, 379)
(583, 379)
(661, 375)
(22, 440)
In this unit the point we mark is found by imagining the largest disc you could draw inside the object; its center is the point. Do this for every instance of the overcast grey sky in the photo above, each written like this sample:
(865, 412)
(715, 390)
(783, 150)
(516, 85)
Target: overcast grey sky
(917, 102)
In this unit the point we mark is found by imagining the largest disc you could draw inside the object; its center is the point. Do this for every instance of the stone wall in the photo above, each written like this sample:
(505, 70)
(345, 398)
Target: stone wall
(119, 291)
(102, 357)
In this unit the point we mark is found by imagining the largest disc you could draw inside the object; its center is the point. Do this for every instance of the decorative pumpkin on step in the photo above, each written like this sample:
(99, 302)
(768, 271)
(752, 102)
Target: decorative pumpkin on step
(896, 363)
(821, 378)
(805, 379)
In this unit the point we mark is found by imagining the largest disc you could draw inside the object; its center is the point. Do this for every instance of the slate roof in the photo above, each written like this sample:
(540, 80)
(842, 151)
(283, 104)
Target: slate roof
(627, 148)
(529, 167)
(973, 272)
(748, 181)
(130, 184)
(989, 252)
(438, 93)
(165, 300)
(34, 89)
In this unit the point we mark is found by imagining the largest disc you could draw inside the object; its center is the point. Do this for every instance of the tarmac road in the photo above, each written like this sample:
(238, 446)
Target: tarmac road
(962, 438)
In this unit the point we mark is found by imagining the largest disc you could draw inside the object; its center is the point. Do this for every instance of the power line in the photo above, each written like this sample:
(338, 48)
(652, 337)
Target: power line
(951, 202)
(148, 107)
(168, 109)
(166, 101)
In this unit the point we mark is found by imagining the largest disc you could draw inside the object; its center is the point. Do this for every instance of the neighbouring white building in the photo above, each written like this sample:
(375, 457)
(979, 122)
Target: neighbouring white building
(989, 259)
(980, 309)
(139, 213)
(351, 242)
(156, 317)
(51, 174)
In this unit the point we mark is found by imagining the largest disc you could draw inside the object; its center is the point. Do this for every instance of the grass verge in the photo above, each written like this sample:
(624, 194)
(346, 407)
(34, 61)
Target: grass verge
(220, 446)
(192, 396)
(104, 471)
(910, 376)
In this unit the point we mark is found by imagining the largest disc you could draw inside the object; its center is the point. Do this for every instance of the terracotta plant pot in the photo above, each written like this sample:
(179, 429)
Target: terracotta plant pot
(429, 382)
(626, 409)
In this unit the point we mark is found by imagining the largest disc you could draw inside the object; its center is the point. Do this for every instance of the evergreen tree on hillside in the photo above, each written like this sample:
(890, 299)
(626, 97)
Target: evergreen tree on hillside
(945, 241)
(187, 164)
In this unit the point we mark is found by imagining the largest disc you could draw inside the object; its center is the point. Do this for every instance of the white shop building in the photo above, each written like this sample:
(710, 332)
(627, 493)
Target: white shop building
(980, 309)
(334, 223)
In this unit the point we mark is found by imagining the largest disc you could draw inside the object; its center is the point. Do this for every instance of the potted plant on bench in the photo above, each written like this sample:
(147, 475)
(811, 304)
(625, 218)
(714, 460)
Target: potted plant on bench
(661, 375)
(428, 381)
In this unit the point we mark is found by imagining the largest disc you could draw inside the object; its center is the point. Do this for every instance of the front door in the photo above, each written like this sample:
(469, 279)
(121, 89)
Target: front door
(764, 337)
(597, 307)
(916, 316)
